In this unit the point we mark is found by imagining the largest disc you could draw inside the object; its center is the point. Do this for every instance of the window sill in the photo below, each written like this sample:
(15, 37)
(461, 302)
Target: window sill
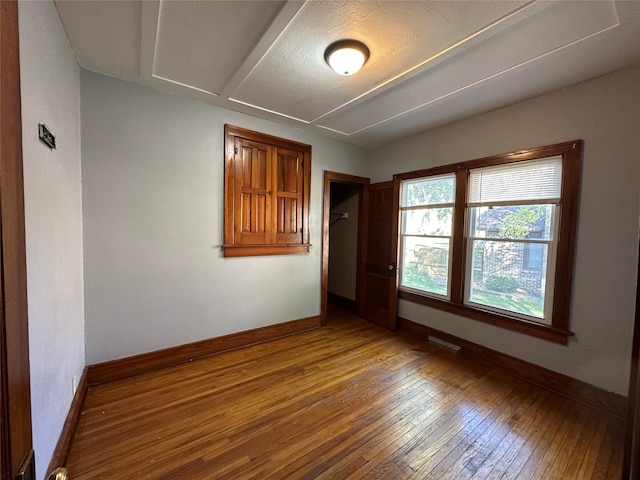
(546, 332)
(256, 250)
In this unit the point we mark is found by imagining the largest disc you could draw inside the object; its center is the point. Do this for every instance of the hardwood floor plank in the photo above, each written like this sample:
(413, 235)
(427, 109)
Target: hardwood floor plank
(609, 454)
(588, 460)
(517, 431)
(488, 446)
(439, 410)
(359, 413)
(347, 401)
(464, 460)
(373, 419)
(527, 449)
(551, 465)
(581, 461)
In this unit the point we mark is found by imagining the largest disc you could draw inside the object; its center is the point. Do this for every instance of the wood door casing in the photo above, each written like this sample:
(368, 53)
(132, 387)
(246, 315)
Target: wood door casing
(380, 304)
(362, 183)
(15, 396)
(631, 465)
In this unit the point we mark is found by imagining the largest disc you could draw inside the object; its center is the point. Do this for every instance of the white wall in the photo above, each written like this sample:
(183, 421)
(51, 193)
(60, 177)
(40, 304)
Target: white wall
(53, 217)
(605, 112)
(343, 247)
(153, 225)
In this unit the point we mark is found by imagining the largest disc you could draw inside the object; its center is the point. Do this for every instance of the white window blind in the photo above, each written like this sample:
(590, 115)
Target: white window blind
(533, 180)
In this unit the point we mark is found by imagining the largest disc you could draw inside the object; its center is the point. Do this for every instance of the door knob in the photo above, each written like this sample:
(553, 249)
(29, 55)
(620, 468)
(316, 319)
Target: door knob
(391, 266)
(59, 474)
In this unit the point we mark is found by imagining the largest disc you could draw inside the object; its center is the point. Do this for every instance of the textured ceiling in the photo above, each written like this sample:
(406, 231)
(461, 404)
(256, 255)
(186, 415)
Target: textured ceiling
(431, 62)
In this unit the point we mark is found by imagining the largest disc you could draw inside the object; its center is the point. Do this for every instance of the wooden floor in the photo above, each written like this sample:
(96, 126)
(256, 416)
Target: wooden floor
(350, 400)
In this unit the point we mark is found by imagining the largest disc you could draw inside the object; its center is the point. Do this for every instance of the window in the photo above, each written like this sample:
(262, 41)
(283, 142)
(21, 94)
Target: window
(426, 221)
(506, 204)
(266, 194)
(493, 239)
(534, 255)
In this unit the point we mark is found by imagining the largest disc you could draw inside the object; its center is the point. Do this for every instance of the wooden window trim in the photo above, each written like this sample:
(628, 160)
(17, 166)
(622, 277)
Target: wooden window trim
(558, 331)
(230, 247)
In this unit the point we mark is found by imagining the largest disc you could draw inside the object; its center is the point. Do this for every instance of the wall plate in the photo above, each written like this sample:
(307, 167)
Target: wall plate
(46, 136)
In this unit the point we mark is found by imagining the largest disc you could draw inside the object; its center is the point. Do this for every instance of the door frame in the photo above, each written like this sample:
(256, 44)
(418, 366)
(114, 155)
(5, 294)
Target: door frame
(363, 183)
(15, 390)
(631, 464)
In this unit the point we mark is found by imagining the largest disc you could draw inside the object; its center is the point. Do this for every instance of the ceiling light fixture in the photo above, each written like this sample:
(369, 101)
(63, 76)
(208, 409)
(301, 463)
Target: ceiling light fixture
(346, 57)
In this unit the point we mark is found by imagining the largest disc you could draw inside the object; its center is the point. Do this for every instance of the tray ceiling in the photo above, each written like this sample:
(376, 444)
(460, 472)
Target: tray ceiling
(431, 62)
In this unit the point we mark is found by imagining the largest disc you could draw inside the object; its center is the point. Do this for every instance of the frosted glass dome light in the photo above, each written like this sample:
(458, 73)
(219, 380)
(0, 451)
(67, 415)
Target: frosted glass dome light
(346, 57)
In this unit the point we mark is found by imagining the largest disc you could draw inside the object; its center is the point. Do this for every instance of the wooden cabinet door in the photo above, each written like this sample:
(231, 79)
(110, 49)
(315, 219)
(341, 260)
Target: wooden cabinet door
(289, 185)
(253, 192)
(266, 194)
(380, 271)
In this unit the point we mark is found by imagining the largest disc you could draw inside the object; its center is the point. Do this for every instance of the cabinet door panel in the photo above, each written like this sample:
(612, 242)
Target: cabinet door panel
(288, 171)
(287, 215)
(253, 175)
(288, 212)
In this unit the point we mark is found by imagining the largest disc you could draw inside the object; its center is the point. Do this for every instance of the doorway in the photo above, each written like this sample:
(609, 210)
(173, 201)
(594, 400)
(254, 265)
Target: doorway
(343, 234)
(344, 199)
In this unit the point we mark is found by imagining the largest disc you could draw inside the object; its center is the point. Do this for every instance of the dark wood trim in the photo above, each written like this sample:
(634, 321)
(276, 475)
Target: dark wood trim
(500, 159)
(264, 138)
(572, 166)
(326, 222)
(336, 177)
(545, 332)
(61, 452)
(394, 254)
(229, 198)
(459, 250)
(577, 390)
(15, 390)
(631, 465)
(254, 250)
(306, 197)
(343, 302)
(147, 362)
(363, 232)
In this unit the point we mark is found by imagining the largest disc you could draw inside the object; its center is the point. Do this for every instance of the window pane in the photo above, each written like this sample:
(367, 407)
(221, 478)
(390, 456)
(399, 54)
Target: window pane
(425, 264)
(532, 180)
(428, 191)
(534, 256)
(513, 221)
(501, 276)
(427, 221)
